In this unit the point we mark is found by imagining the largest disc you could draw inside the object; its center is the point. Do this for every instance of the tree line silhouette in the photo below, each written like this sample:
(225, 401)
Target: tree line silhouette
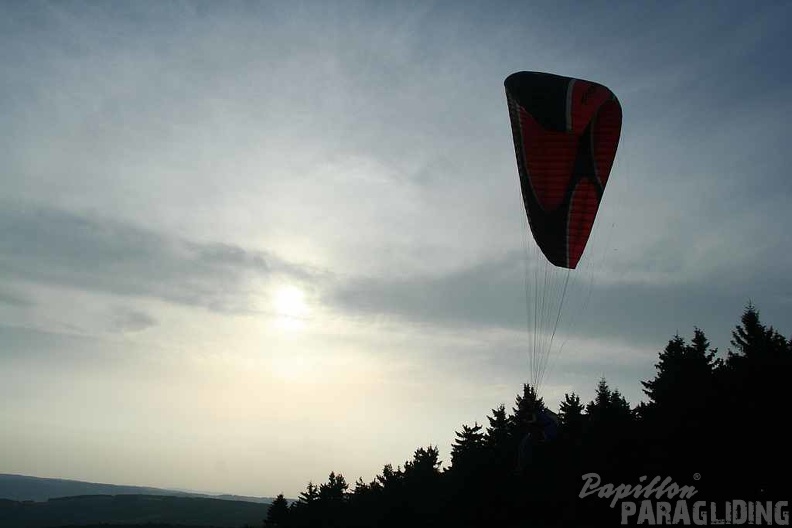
(716, 423)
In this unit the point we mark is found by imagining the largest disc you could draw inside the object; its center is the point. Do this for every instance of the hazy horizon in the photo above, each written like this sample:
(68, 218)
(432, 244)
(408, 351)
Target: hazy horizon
(243, 245)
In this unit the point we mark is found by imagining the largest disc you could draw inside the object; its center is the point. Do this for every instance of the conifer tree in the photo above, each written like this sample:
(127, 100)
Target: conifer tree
(498, 429)
(468, 445)
(334, 489)
(571, 415)
(310, 495)
(278, 512)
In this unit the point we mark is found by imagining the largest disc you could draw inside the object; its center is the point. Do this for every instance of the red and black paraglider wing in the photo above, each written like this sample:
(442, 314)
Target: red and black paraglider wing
(566, 132)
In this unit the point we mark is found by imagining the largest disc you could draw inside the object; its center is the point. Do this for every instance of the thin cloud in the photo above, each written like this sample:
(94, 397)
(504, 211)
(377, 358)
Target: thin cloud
(78, 251)
(128, 320)
(648, 308)
(12, 298)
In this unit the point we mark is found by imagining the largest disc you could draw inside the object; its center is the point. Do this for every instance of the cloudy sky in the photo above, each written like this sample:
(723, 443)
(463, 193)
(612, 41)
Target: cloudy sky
(244, 244)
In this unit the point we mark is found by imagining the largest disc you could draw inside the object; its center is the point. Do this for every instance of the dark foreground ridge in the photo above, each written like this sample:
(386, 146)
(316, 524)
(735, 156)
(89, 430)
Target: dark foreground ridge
(147, 525)
(125, 510)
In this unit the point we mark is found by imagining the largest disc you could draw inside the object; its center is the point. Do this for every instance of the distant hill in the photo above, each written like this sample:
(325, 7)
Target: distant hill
(25, 488)
(128, 509)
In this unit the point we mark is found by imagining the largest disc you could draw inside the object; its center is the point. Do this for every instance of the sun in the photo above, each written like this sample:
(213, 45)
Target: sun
(290, 303)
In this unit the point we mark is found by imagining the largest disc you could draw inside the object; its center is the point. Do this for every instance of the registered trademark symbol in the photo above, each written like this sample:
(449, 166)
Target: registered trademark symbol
(696, 476)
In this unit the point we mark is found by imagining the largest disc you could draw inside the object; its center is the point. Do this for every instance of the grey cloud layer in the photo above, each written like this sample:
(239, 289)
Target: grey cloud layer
(492, 294)
(13, 299)
(65, 249)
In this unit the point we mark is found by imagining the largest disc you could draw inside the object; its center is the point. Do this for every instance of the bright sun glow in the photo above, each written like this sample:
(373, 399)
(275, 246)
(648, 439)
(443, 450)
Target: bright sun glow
(291, 308)
(290, 302)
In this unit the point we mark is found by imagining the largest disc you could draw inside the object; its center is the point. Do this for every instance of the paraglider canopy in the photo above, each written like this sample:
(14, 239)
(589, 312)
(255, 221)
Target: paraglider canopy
(566, 132)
